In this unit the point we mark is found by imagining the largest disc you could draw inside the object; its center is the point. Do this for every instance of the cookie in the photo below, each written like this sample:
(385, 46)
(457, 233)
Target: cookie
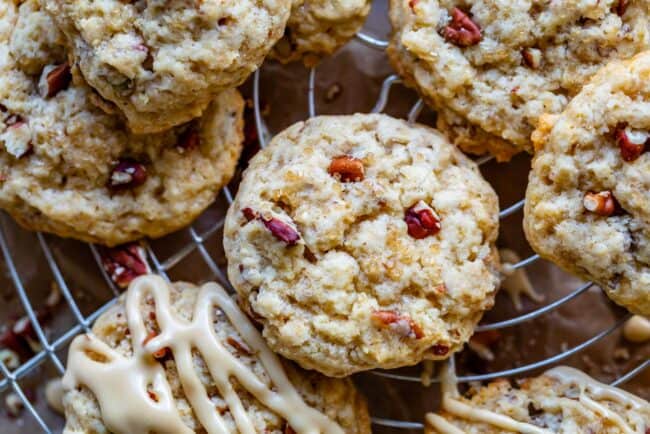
(587, 204)
(317, 28)
(562, 400)
(162, 62)
(491, 68)
(69, 168)
(177, 358)
(363, 242)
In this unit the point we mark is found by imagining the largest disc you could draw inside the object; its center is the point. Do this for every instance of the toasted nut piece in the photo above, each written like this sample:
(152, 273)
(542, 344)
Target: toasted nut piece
(440, 349)
(124, 263)
(532, 57)
(632, 143)
(239, 346)
(462, 31)
(347, 169)
(127, 174)
(54, 79)
(422, 221)
(621, 8)
(282, 231)
(159, 354)
(249, 214)
(601, 203)
(400, 323)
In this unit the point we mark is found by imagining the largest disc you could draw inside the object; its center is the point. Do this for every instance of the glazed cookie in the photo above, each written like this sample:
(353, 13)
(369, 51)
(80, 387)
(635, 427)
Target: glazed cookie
(317, 28)
(68, 168)
(184, 359)
(563, 400)
(363, 242)
(491, 68)
(587, 204)
(162, 62)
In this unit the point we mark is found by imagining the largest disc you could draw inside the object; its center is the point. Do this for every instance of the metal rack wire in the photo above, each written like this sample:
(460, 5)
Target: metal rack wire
(10, 379)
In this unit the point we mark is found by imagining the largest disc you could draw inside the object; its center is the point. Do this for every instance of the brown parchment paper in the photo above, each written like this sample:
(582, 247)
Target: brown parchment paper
(347, 83)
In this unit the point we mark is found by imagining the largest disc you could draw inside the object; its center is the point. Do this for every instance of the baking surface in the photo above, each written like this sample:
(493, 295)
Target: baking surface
(349, 82)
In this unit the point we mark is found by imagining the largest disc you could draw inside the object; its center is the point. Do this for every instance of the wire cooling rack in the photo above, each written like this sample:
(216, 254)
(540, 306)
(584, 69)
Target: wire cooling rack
(199, 243)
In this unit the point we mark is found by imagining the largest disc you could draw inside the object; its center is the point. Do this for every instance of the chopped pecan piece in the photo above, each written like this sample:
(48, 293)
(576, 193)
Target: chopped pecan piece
(347, 169)
(124, 263)
(159, 354)
(400, 323)
(440, 349)
(462, 31)
(282, 231)
(127, 174)
(602, 203)
(532, 57)
(631, 143)
(621, 8)
(54, 79)
(239, 346)
(422, 221)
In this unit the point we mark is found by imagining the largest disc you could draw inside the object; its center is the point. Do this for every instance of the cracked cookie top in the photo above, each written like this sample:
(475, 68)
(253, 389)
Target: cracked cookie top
(361, 242)
(317, 28)
(69, 168)
(493, 67)
(587, 204)
(162, 62)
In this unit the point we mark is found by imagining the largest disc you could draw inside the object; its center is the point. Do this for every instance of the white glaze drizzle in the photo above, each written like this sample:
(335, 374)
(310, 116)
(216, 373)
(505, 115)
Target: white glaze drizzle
(122, 384)
(563, 374)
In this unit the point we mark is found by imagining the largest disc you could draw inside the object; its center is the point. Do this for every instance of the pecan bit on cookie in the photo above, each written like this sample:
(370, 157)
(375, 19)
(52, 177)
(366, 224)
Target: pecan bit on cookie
(124, 263)
(54, 79)
(159, 354)
(621, 8)
(282, 231)
(602, 203)
(422, 221)
(127, 174)
(462, 31)
(239, 346)
(631, 143)
(532, 57)
(400, 323)
(347, 169)
(440, 349)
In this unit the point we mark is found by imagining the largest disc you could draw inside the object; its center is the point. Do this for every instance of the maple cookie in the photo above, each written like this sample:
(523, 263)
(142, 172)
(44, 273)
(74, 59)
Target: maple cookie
(587, 204)
(491, 68)
(562, 400)
(317, 28)
(69, 168)
(162, 62)
(363, 242)
(182, 359)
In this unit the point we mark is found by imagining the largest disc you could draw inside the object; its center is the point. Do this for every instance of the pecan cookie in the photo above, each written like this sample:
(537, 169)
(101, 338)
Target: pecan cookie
(69, 168)
(562, 400)
(317, 28)
(588, 201)
(182, 359)
(363, 242)
(162, 62)
(492, 67)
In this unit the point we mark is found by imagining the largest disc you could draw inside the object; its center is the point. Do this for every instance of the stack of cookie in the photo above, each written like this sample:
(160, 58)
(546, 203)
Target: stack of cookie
(120, 119)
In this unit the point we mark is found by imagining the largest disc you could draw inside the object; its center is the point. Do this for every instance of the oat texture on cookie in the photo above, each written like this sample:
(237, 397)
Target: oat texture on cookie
(178, 358)
(490, 68)
(317, 28)
(562, 400)
(362, 242)
(69, 168)
(162, 62)
(588, 199)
